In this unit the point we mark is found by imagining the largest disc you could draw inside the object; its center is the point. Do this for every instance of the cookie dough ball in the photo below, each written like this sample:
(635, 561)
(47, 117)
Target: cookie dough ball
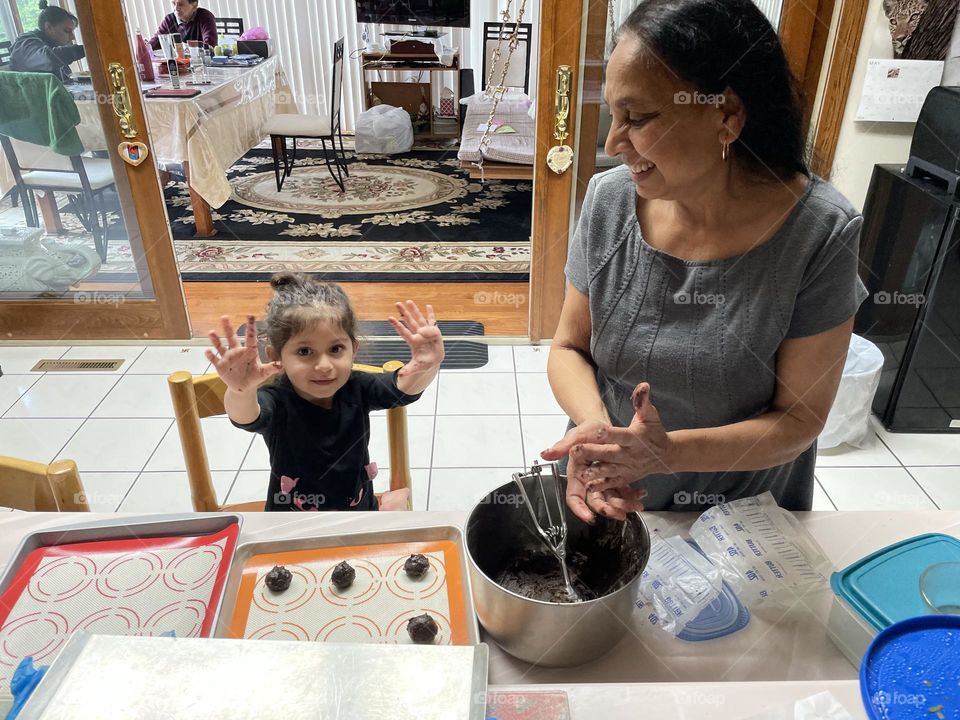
(416, 566)
(278, 579)
(343, 575)
(422, 629)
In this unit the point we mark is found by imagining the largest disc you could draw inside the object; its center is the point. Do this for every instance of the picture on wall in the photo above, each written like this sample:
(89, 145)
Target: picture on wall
(921, 29)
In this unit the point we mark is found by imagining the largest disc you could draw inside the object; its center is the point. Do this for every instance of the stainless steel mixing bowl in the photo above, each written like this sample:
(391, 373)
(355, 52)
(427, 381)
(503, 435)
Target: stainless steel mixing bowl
(553, 634)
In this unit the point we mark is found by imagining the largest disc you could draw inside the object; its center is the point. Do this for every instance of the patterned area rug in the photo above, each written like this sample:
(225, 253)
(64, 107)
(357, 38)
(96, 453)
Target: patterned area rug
(411, 217)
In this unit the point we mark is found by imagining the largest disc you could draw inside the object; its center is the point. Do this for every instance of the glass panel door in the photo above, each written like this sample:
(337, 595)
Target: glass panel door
(85, 248)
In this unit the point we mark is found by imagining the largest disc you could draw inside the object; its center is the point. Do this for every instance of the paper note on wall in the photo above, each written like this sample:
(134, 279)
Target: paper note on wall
(894, 90)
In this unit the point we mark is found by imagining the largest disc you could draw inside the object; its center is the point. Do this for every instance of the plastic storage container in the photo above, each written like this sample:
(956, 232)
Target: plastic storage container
(882, 589)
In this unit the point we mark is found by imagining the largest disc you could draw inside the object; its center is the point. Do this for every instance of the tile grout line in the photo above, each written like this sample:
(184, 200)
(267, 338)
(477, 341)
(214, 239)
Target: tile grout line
(19, 397)
(226, 498)
(922, 488)
(142, 470)
(824, 491)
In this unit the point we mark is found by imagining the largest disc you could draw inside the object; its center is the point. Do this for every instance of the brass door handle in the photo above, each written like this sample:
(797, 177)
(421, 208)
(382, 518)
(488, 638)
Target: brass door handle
(121, 100)
(560, 157)
(562, 103)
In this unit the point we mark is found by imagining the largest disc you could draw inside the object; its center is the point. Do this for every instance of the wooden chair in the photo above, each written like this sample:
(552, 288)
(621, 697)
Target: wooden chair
(294, 126)
(196, 397)
(33, 486)
(229, 26)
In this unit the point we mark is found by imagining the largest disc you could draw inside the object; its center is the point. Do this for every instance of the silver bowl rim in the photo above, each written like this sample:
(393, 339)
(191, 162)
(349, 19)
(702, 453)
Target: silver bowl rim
(550, 603)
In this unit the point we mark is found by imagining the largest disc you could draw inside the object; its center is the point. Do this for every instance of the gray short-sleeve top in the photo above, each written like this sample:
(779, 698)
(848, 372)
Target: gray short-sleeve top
(705, 334)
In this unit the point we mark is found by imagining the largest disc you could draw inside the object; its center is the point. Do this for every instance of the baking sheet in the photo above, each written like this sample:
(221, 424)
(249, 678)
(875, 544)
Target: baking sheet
(375, 608)
(140, 578)
(189, 679)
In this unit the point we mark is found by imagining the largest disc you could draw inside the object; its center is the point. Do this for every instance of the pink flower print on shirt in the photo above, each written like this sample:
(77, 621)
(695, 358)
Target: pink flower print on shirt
(372, 470)
(354, 503)
(287, 484)
(298, 503)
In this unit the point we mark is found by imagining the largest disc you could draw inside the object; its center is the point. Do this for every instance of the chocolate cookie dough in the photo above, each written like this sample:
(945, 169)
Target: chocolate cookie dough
(422, 629)
(278, 579)
(343, 575)
(416, 566)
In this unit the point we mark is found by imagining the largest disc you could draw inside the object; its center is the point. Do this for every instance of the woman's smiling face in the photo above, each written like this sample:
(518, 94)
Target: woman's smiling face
(665, 132)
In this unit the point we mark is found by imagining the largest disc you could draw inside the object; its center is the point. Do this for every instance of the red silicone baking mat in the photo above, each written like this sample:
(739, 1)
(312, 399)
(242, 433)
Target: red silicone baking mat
(137, 586)
(375, 608)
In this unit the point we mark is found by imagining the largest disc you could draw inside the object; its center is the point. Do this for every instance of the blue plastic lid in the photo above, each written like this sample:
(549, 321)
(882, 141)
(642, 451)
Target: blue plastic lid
(884, 587)
(912, 670)
(724, 616)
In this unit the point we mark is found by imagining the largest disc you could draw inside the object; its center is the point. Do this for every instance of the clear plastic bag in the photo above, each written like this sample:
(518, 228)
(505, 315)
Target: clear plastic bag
(677, 584)
(849, 418)
(762, 551)
(822, 706)
(384, 130)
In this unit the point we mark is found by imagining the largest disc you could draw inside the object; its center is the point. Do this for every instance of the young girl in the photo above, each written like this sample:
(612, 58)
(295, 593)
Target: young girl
(315, 415)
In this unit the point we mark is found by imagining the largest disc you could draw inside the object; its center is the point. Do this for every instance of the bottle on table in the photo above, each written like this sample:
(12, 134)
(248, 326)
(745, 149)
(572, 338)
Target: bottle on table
(144, 60)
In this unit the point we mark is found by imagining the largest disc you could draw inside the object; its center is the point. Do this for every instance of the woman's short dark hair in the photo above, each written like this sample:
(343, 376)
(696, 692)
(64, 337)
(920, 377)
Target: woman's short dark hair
(54, 15)
(715, 44)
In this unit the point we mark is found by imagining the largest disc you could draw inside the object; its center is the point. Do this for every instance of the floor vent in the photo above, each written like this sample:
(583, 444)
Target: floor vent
(76, 365)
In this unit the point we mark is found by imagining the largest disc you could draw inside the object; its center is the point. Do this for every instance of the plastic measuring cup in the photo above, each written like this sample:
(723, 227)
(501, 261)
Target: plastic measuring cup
(940, 588)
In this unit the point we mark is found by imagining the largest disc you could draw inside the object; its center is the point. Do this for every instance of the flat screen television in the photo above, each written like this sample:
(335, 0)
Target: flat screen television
(431, 13)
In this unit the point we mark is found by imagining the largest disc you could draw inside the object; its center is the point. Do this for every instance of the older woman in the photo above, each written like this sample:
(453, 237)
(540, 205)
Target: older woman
(711, 272)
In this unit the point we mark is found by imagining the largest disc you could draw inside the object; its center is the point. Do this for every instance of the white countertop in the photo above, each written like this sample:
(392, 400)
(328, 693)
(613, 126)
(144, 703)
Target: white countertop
(776, 646)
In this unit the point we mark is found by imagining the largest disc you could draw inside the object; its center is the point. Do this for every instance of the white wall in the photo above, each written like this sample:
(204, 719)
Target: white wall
(861, 145)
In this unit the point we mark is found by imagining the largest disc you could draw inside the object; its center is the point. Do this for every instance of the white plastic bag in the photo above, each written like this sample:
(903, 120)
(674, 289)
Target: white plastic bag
(849, 418)
(384, 130)
(762, 551)
(822, 706)
(676, 585)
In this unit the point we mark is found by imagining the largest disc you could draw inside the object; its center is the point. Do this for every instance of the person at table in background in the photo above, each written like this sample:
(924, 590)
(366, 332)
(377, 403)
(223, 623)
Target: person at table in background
(191, 21)
(51, 47)
(712, 278)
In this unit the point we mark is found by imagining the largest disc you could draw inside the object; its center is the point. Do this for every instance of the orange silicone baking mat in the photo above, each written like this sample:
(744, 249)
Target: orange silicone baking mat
(375, 608)
(137, 586)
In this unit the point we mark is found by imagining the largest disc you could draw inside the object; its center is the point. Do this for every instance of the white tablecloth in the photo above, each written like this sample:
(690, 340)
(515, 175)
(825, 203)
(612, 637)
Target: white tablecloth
(791, 646)
(210, 131)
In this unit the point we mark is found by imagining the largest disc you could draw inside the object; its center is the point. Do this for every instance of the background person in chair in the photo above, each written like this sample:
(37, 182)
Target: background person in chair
(51, 48)
(191, 21)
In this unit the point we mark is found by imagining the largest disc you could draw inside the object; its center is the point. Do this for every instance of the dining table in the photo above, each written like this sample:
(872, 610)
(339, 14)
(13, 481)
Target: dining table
(195, 138)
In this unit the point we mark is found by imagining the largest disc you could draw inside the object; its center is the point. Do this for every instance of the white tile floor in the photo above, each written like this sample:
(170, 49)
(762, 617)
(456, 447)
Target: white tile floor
(468, 432)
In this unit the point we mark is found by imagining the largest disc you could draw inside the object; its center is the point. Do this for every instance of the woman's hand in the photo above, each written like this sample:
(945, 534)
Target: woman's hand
(239, 366)
(606, 459)
(422, 335)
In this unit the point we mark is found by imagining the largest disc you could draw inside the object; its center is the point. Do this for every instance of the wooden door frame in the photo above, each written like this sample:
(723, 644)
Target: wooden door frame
(162, 318)
(804, 28)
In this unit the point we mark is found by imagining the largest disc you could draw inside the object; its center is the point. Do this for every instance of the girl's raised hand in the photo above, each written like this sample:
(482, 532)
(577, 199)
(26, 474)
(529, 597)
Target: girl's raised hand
(239, 365)
(421, 334)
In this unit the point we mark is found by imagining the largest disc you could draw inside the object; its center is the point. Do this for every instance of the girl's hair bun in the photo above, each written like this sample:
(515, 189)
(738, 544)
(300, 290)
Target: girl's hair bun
(289, 280)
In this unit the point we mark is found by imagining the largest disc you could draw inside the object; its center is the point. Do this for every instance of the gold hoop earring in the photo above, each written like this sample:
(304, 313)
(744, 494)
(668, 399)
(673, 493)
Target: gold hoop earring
(725, 151)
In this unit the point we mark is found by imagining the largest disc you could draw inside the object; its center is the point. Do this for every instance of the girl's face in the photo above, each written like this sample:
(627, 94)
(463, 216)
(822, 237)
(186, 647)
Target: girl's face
(318, 361)
(665, 132)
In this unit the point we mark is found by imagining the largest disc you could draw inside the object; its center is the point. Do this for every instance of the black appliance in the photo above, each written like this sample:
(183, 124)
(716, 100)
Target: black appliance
(431, 13)
(910, 263)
